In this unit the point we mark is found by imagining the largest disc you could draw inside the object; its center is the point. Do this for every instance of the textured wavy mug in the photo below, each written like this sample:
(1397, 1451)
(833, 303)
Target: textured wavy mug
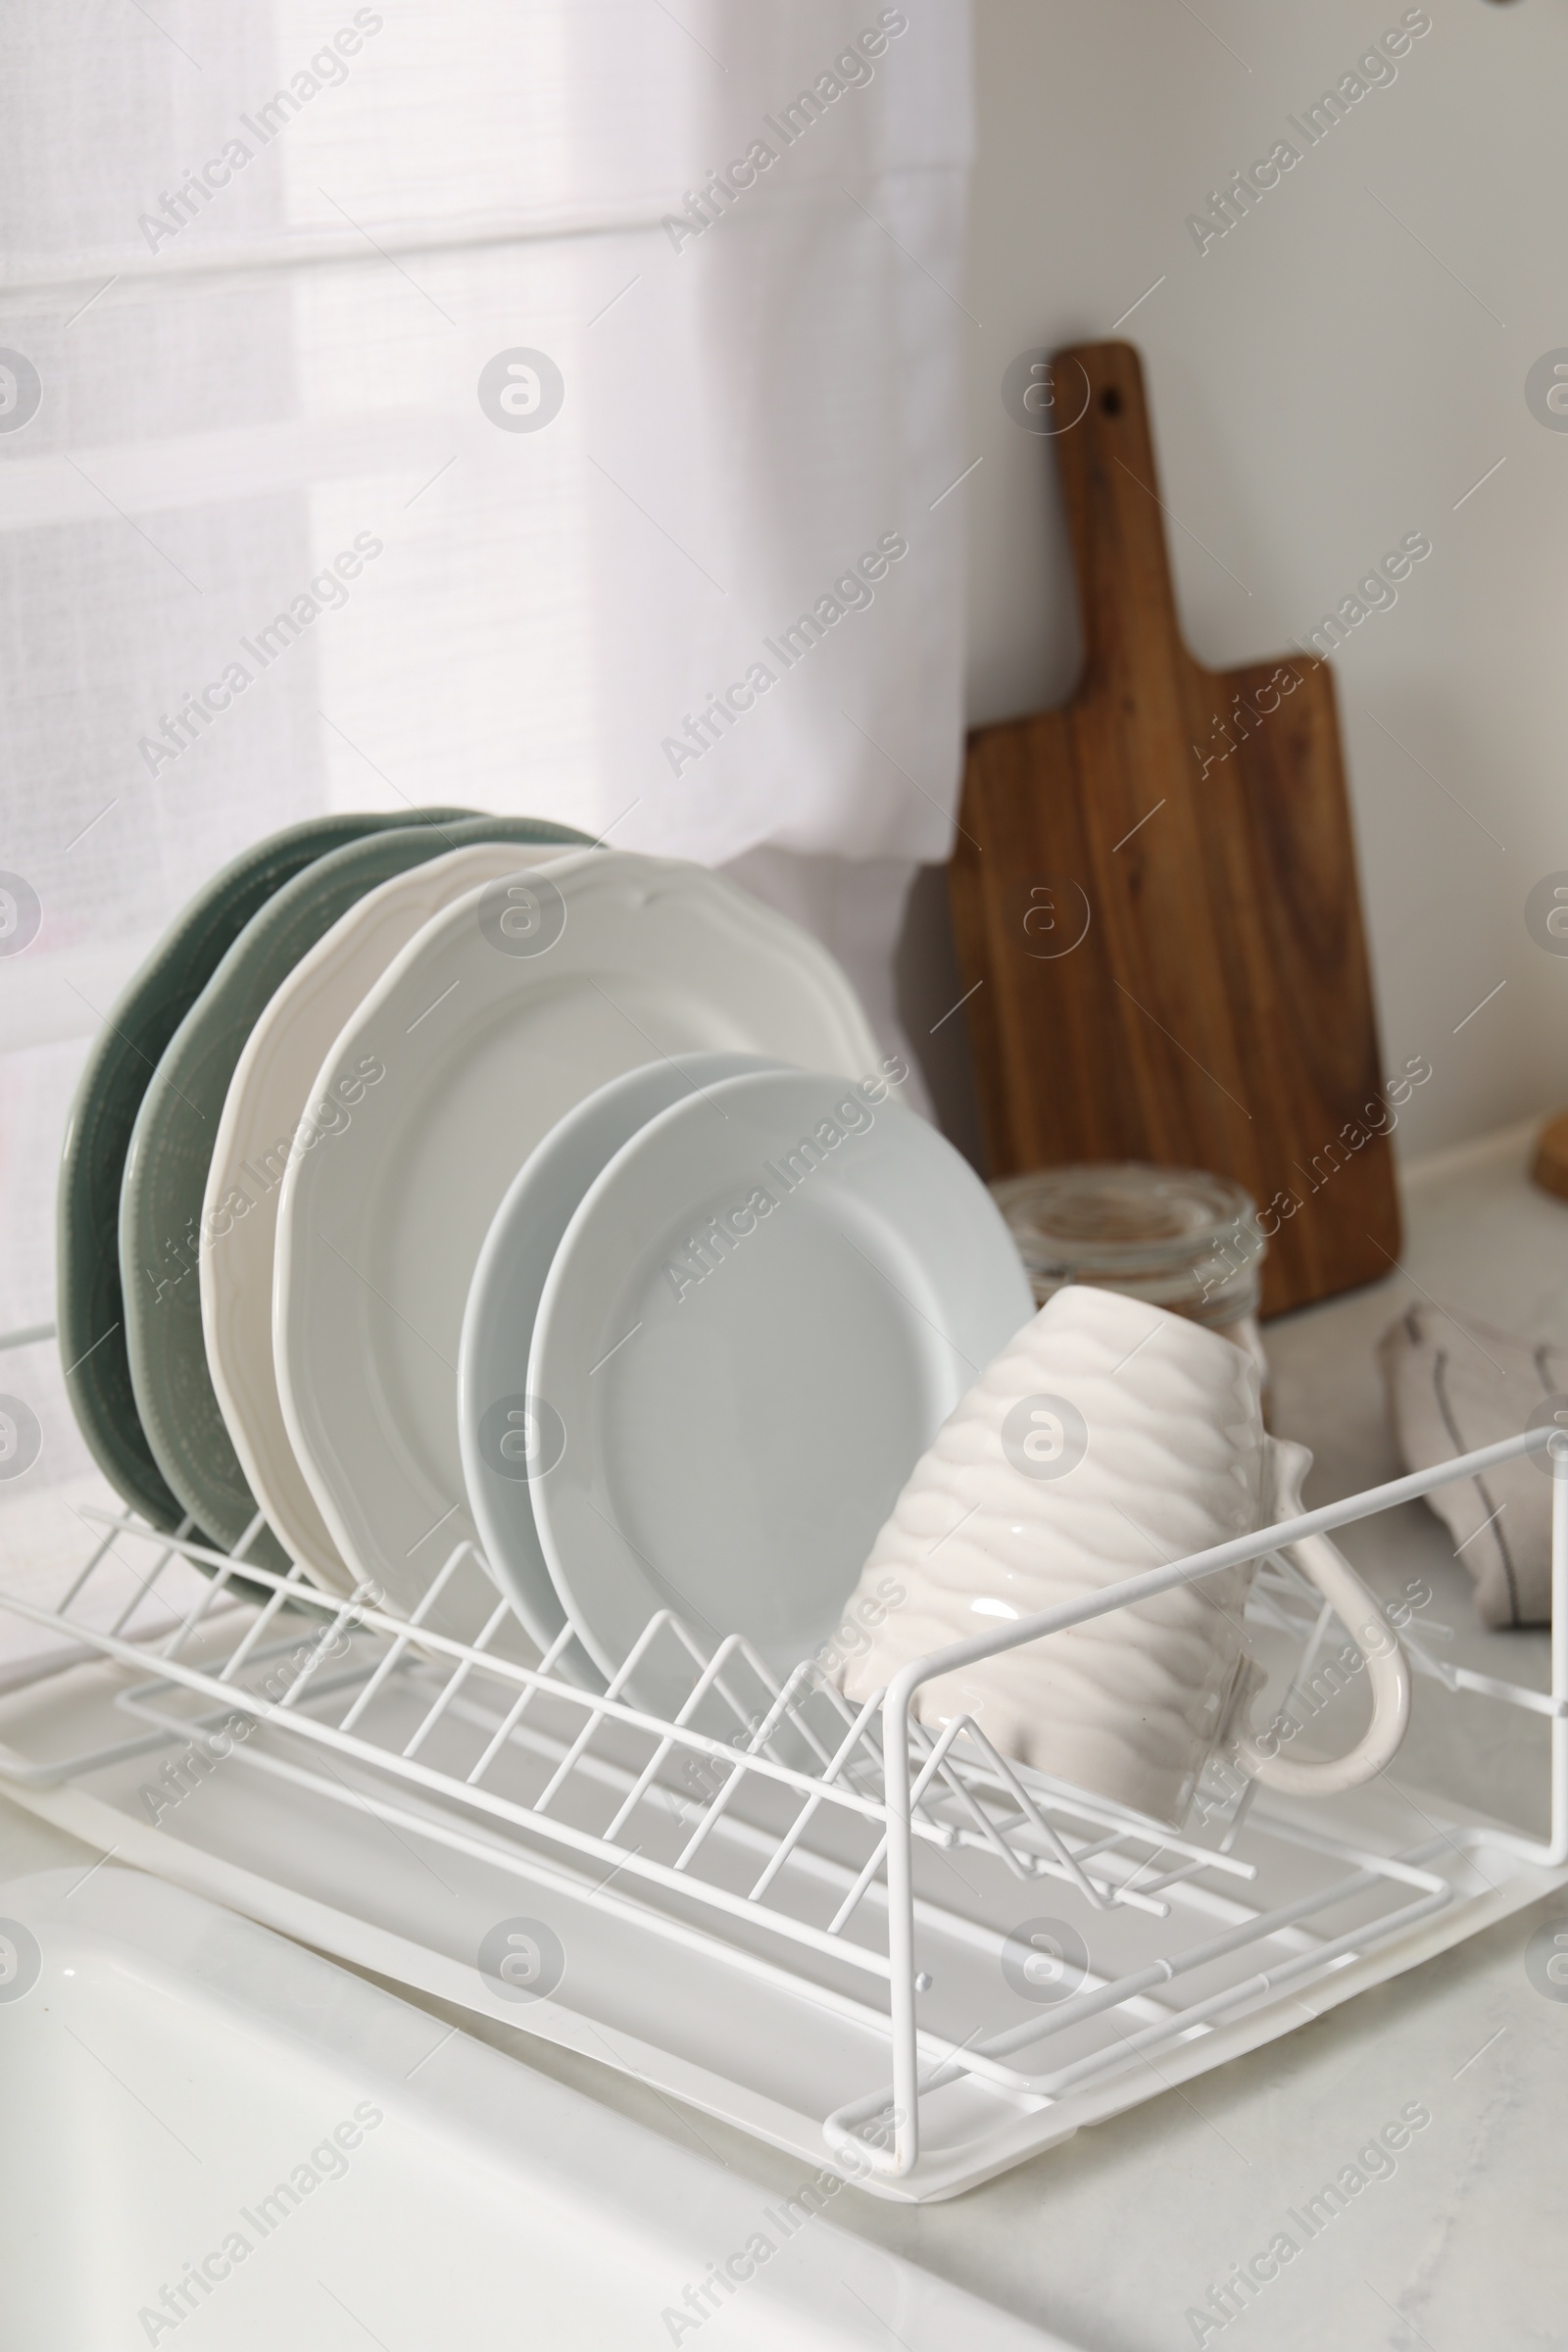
(1107, 1437)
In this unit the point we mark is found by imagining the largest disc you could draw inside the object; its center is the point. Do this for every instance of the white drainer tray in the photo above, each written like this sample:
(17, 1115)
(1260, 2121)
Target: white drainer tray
(788, 1911)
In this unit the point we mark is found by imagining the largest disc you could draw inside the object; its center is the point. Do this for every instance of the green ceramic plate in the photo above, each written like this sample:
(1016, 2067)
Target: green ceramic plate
(90, 1311)
(172, 1147)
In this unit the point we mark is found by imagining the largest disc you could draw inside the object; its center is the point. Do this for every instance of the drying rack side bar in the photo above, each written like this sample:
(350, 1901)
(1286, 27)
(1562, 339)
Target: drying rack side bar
(1238, 1553)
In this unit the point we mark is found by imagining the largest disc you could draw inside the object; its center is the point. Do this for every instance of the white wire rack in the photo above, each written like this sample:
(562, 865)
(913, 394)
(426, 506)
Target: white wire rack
(796, 1912)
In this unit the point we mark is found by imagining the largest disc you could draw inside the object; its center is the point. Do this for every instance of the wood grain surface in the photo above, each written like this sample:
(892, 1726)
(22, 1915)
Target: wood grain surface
(1155, 888)
(1550, 1166)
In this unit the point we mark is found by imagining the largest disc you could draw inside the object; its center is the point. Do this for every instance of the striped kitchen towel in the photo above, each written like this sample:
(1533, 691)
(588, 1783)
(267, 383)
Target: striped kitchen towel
(1454, 1387)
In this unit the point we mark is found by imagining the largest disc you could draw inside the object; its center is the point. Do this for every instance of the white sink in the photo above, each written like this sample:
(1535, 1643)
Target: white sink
(216, 2138)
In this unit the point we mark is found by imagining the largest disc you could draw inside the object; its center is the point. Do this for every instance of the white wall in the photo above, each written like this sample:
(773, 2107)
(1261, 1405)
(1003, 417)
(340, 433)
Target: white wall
(1321, 385)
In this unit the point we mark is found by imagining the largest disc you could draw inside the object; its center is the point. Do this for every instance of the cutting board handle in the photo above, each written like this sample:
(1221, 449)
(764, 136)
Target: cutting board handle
(1111, 493)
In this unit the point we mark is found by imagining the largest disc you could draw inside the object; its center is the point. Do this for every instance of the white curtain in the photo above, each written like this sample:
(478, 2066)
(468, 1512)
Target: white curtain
(267, 274)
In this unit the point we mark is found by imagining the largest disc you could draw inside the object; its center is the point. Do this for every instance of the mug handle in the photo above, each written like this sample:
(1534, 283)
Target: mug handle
(1387, 1672)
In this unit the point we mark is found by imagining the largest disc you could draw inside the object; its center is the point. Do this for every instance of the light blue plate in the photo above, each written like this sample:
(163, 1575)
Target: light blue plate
(506, 1438)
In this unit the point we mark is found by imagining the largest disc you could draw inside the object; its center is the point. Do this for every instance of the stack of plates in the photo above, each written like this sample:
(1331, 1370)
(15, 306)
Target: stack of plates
(450, 1196)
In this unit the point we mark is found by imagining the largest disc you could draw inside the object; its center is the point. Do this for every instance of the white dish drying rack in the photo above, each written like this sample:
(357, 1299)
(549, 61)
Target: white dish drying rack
(898, 1955)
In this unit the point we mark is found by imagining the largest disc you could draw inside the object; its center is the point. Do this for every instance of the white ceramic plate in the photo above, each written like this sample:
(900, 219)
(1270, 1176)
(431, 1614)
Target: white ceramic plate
(757, 1319)
(262, 1112)
(504, 1442)
(502, 1014)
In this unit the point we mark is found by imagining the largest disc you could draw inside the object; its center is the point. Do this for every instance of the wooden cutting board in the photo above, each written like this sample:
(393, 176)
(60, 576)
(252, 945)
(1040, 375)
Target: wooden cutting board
(1154, 895)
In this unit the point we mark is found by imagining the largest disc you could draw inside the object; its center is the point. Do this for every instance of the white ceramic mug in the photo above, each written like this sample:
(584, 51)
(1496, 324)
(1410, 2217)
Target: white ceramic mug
(1107, 1438)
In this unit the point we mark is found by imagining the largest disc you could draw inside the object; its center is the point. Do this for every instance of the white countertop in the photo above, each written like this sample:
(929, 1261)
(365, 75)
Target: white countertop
(1112, 2239)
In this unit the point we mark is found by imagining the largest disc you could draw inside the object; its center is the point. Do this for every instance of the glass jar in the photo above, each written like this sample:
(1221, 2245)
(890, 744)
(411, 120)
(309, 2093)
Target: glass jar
(1181, 1238)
